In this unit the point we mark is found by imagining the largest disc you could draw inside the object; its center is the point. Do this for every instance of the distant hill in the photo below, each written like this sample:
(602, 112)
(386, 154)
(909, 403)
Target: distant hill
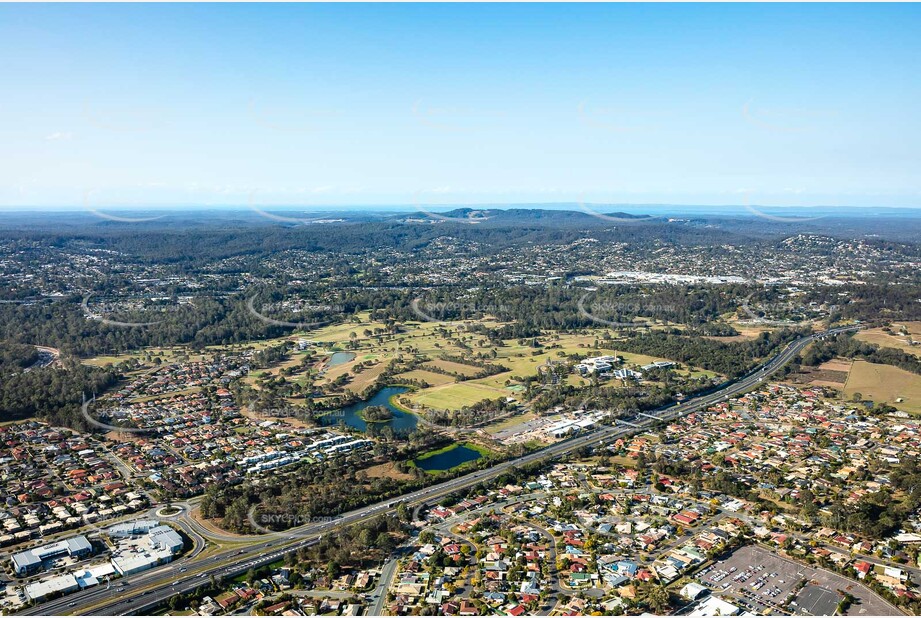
(521, 216)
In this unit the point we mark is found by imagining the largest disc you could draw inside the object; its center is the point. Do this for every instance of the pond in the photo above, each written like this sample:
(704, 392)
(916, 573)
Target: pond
(400, 423)
(340, 357)
(448, 458)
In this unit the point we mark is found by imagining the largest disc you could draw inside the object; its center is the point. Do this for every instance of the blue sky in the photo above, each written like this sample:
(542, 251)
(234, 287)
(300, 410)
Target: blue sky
(370, 104)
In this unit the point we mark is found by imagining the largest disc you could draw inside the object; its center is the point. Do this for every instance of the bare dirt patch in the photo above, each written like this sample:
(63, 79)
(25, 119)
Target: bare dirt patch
(837, 364)
(819, 377)
(213, 525)
(387, 471)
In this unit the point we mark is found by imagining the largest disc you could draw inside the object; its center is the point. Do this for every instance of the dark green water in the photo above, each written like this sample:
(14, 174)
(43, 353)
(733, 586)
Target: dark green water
(452, 458)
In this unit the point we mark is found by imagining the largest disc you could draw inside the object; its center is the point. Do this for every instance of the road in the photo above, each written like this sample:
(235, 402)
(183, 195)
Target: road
(149, 589)
(379, 597)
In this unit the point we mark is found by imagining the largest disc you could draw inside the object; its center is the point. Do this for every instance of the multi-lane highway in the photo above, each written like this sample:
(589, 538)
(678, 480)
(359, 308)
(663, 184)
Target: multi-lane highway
(145, 591)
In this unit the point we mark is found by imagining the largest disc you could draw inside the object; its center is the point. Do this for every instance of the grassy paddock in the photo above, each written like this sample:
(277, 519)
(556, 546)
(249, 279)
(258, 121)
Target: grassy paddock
(885, 384)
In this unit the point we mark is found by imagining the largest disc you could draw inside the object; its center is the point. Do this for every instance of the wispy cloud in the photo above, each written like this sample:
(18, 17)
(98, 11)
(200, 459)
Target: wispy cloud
(59, 136)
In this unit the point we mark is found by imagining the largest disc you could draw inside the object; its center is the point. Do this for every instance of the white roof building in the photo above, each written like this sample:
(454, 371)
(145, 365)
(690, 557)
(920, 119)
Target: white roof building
(59, 584)
(693, 591)
(714, 606)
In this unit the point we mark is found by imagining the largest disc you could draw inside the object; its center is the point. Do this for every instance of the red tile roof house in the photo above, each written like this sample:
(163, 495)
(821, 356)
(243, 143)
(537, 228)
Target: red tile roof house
(227, 599)
(862, 568)
(278, 607)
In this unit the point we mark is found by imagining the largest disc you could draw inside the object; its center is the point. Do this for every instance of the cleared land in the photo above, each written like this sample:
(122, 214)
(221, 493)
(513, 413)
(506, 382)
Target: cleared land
(430, 377)
(387, 470)
(455, 396)
(885, 384)
(896, 339)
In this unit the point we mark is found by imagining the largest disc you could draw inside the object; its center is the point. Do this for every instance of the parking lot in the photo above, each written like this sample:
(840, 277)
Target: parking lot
(764, 582)
(756, 578)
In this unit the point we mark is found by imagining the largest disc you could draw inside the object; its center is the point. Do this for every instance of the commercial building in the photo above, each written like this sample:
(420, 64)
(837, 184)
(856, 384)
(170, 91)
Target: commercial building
(31, 560)
(132, 528)
(61, 584)
(166, 539)
(158, 547)
(715, 606)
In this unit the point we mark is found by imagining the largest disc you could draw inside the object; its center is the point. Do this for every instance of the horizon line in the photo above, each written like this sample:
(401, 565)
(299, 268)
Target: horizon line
(410, 207)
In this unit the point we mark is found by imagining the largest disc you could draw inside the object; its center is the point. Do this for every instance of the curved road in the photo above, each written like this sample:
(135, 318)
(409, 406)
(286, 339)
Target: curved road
(147, 590)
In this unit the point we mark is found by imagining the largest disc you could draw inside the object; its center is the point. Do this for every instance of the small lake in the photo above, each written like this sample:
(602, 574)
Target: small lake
(401, 421)
(451, 458)
(340, 357)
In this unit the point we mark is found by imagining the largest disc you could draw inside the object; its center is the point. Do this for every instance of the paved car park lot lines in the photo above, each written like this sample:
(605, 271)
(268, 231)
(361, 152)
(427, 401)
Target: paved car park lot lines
(766, 582)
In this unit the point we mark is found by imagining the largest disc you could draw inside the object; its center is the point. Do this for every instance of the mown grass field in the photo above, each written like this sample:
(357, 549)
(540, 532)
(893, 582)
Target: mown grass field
(423, 339)
(885, 384)
(455, 396)
(452, 367)
(435, 379)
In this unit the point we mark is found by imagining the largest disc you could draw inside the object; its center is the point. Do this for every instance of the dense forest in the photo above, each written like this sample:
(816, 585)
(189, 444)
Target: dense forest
(53, 394)
(730, 359)
(16, 356)
(847, 347)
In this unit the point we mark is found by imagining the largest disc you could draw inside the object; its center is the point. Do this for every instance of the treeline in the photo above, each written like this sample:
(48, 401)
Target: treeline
(626, 399)
(189, 244)
(64, 325)
(525, 312)
(731, 359)
(846, 346)
(468, 416)
(15, 356)
(302, 496)
(52, 394)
